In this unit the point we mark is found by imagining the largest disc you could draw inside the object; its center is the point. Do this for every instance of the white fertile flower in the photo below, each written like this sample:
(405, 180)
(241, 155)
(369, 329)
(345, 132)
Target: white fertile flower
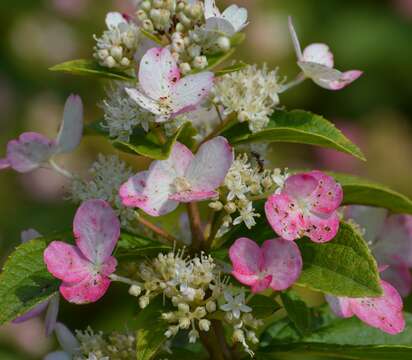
(117, 46)
(122, 114)
(235, 304)
(251, 92)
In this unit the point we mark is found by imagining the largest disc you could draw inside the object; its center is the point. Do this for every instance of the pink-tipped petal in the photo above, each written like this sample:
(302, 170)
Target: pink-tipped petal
(71, 129)
(192, 196)
(247, 260)
(284, 216)
(400, 277)
(97, 229)
(4, 164)
(51, 314)
(319, 54)
(345, 79)
(29, 151)
(66, 262)
(208, 169)
(282, 261)
(300, 186)
(383, 312)
(158, 73)
(190, 91)
(260, 284)
(29, 234)
(321, 228)
(328, 194)
(89, 290)
(36, 311)
(340, 306)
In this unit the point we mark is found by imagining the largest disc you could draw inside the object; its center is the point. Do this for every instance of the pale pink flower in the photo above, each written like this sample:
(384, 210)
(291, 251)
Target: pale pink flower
(390, 239)
(32, 150)
(384, 312)
(317, 63)
(183, 177)
(231, 21)
(306, 206)
(161, 89)
(277, 264)
(86, 267)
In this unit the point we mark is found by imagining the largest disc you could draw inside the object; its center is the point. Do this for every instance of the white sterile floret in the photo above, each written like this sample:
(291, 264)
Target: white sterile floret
(107, 175)
(122, 114)
(235, 304)
(252, 93)
(116, 47)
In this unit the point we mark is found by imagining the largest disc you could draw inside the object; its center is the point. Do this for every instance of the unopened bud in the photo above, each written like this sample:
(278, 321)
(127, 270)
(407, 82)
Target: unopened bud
(216, 205)
(223, 43)
(200, 62)
(204, 325)
(230, 207)
(211, 306)
(185, 68)
(135, 290)
(110, 62)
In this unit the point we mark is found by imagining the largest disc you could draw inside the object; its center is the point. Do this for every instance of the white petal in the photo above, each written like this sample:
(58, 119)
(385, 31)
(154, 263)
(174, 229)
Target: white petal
(158, 73)
(295, 40)
(114, 19)
(71, 129)
(29, 234)
(143, 101)
(237, 16)
(220, 26)
(320, 74)
(66, 339)
(190, 91)
(211, 10)
(319, 54)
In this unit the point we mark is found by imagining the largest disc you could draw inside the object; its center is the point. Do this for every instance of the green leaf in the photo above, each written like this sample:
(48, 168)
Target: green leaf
(363, 192)
(90, 68)
(138, 246)
(296, 126)
(152, 37)
(263, 306)
(338, 339)
(145, 143)
(25, 281)
(232, 68)
(150, 330)
(215, 60)
(298, 312)
(341, 267)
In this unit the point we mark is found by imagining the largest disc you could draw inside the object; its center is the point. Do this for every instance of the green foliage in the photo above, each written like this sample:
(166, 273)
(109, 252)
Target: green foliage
(298, 312)
(296, 126)
(150, 330)
(25, 281)
(90, 68)
(146, 143)
(338, 339)
(138, 246)
(341, 267)
(263, 306)
(232, 68)
(363, 192)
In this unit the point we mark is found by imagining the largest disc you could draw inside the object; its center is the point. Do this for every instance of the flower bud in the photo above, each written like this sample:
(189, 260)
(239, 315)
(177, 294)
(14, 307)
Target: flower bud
(184, 308)
(141, 15)
(223, 43)
(125, 62)
(184, 323)
(148, 25)
(200, 62)
(157, 3)
(193, 335)
(230, 207)
(204, 325)
(143, 301)
(238, 336)
(103, 54)
(216, 205)
(199, 312)
(211, 306)
(180, 27)
(185, 68)
(110, 62)
(145, 5)
(116, 52)
(172, 331)
(135, 290)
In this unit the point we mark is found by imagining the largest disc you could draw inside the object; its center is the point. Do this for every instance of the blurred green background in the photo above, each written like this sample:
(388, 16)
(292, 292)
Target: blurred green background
(375, 112)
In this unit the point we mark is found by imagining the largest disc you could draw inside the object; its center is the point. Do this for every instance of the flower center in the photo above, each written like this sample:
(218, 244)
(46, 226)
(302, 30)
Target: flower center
(182, 184)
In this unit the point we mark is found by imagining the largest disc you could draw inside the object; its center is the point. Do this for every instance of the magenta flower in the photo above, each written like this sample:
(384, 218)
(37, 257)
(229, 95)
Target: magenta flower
(390, 239)
(317, 64)
(32, 150)
(183, 177)
(162, 91)
(86, 267)
(277, 264)
(384, 312)
(306, 206)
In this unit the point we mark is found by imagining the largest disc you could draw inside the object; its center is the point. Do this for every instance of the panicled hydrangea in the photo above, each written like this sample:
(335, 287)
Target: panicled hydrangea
(244, 183)
(108, 173)
(97, 346)
(116, 47)
(122, 114)
(195, 288)
(252, 93)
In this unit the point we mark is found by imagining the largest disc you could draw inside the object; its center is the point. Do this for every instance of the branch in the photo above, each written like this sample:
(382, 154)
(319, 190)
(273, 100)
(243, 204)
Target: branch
(195, 226)
(157, 230)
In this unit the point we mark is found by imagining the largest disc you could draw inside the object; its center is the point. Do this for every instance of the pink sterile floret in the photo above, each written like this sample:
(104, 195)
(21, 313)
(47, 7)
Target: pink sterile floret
(384, 312)
(183, 177)
(277, 264)
(31, 150)
(85, 268)
(161, 89)
(317, 63)
(306, 206)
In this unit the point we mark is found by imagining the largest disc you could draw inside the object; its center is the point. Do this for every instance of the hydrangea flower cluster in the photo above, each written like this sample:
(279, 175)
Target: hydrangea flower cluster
(218, 276)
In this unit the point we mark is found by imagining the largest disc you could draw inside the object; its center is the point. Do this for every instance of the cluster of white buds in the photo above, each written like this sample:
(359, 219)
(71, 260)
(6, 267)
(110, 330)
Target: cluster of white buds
(122, 114)
(108, 173)
(97, 346)
(251, 92)
(193, 285)
(156, 16)
(116, 47)
(239, 316)
(244, 183)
